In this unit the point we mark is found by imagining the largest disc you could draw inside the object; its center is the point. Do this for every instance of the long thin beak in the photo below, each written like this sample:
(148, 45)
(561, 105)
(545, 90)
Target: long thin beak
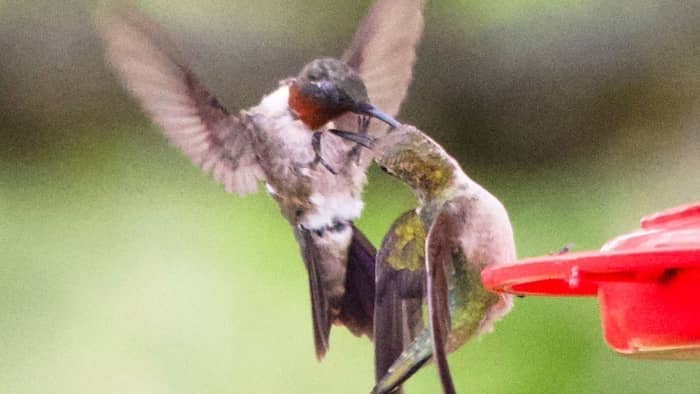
(365, 140)
(371, 110)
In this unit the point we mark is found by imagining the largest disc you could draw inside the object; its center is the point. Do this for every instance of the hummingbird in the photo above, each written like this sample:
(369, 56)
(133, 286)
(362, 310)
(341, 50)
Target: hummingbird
(434, 253)
(317, 182)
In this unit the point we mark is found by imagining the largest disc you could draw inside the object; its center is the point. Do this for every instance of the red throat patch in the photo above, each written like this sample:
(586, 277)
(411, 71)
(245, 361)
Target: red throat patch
(307, 110)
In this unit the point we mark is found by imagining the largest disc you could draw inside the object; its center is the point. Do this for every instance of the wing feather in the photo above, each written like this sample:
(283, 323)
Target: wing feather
(441, 244)
(383, 52)
(154, 71)
(399, 294)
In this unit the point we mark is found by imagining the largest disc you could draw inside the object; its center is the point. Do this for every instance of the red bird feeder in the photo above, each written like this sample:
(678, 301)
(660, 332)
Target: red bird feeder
(647, 283)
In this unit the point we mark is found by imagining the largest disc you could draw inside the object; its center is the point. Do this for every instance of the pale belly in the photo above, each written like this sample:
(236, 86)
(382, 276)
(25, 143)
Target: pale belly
(308, 195)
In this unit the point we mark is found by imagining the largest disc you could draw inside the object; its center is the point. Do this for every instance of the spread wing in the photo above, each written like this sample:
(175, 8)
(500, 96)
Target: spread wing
(442, 247)
(398, 300)
(383, 52)
(154, 71)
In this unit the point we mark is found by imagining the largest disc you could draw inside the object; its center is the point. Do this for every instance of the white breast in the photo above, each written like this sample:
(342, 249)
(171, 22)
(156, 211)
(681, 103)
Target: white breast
(332, 197)
(291, 135)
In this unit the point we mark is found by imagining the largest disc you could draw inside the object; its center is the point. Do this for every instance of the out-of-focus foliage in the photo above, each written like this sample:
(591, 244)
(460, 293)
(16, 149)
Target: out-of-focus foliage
(123, 269)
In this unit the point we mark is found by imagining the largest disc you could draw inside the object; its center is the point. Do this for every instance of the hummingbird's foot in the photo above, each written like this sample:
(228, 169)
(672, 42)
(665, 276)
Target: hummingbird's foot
(363, 130)
(363, 124)
(324, 163)
(354, 154)
(361, 138)
(316, 145)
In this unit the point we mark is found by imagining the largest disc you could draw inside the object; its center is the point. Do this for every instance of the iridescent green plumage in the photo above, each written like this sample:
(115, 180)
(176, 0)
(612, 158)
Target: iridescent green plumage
(408, 252)
(465, 229)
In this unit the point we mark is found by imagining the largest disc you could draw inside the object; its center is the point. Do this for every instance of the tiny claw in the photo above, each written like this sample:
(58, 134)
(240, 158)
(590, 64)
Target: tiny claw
(328, 166)
(354, 153)
(319, 160)
(316, 145)
(363, 124)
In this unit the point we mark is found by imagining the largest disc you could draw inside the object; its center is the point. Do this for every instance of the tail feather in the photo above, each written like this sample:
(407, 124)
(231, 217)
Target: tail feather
(357, 306)
(319, 300)
(410, 361)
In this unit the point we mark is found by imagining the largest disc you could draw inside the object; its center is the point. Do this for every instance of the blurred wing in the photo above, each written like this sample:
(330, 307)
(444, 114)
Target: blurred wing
(193, 119)
(441, 247)
(383, 52)
(398, 300)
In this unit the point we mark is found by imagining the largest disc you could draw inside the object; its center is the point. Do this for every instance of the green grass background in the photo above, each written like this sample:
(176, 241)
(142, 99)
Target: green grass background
(124, 270)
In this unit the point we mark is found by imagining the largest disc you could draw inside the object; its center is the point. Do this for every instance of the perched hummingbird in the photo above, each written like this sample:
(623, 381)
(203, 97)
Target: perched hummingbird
(435, 252)
(279, 140)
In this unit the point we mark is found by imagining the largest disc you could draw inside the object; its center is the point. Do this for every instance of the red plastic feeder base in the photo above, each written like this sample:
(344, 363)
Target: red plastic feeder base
(647, 283)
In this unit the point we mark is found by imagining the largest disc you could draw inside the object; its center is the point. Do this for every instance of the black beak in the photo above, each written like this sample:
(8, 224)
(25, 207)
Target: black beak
(371, 110)
(362, 139)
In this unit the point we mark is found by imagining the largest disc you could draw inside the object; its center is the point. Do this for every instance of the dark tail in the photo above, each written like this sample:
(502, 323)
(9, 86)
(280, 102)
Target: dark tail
(391, 383)
(357, 307)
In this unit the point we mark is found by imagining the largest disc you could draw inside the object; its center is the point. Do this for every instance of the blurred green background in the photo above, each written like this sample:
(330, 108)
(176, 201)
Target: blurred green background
(125, 270)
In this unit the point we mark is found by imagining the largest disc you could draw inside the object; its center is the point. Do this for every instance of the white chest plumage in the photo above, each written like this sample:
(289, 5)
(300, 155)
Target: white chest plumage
(309, 195)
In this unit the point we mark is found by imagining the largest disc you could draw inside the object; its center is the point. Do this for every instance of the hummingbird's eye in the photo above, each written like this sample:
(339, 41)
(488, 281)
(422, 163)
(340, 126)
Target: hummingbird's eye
(384, 169)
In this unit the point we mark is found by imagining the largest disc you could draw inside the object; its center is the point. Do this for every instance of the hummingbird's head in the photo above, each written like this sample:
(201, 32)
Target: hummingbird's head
(411, 156)
(327, 88)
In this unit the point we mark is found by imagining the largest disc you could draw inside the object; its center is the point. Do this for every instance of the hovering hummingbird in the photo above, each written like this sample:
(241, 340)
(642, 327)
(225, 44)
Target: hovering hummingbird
(279, 140)
(435, 252)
